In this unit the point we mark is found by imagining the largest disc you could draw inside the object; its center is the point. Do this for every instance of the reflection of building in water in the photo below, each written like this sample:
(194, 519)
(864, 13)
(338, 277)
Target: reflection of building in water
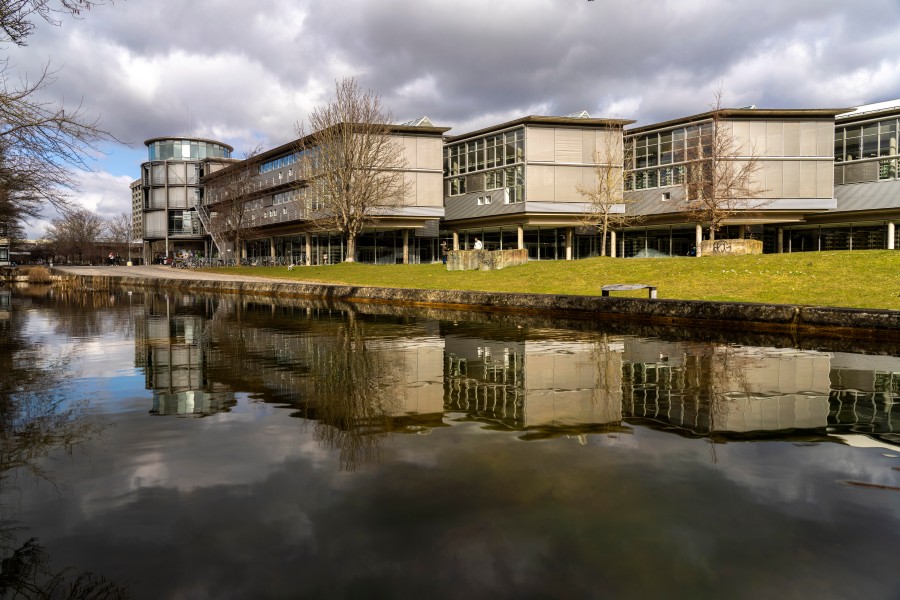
(533, 381)
(725, 389)
(865, 394)
(170, 346)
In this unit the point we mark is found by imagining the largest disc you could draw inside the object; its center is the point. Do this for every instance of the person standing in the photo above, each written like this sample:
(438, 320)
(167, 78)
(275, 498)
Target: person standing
(444, 251)
(478, 244)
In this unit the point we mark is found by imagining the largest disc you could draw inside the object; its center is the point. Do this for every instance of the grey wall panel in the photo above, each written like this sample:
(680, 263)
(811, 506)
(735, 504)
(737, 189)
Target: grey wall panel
(467, 207)
(880, 195)
(861, 172)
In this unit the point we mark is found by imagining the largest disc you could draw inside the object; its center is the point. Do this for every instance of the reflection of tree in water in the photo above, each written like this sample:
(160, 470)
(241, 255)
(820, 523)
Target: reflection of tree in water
(25, 573)
(356, 386)
(36, 419)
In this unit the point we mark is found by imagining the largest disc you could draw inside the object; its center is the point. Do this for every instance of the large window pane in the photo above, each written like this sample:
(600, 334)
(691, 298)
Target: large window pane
(851, 143)
(870, 141)
(887, 143)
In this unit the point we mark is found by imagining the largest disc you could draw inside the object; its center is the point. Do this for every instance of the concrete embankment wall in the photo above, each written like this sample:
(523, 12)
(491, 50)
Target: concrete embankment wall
(829, 321)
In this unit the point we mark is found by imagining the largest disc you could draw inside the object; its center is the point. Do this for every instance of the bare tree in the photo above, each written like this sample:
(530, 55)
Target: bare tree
(721, 178)
(16, 15)
(607, 205)
(41, 142)
(121, 233)
(230, 200)
(75, 235)
(352, 163)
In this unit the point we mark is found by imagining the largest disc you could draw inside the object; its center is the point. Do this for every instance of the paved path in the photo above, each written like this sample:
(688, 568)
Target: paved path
(165, 272)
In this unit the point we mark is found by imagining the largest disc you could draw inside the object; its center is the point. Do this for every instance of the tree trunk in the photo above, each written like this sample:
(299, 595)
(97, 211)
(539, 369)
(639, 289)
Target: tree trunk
(603, 240)
(351, 248)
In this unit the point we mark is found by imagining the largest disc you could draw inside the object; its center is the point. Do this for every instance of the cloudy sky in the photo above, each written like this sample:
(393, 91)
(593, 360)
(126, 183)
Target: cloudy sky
(247, 72)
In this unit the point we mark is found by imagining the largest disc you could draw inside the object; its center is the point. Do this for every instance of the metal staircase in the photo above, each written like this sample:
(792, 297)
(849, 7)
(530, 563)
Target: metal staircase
(205, 219)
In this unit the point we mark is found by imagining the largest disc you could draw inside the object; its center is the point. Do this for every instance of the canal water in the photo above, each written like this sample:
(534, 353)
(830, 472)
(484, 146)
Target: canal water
(184, 446)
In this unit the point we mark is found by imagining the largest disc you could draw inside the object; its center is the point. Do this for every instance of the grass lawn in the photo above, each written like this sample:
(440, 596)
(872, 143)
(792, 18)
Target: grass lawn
(863, 279)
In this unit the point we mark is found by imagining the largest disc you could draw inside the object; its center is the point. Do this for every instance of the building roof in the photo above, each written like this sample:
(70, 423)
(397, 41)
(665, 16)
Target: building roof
(189, 138)
(867, 111)
(569, 121)
(745, 113)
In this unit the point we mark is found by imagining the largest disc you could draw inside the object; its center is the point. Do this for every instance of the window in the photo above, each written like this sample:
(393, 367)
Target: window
(482, 200)
(666, 196)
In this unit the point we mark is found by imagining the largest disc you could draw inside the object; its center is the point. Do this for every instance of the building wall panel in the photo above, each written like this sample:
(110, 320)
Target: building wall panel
(808, 136)
(757, 143)
(429, 153)
(565, 181)
(824, 180)
(774, 178)
(792, 139)
(539, 144)
(808, 179)
(825, 140)
(428, 189)
(539, 180)
(791, 177)
(568, 148)
(774, 138)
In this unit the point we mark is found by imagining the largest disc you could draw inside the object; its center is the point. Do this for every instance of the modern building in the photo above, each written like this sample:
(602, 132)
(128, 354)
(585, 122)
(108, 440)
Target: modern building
(792, 154)
(825, 179)
(281, 215)
(515, 184)
(170, 189)
(866, 185)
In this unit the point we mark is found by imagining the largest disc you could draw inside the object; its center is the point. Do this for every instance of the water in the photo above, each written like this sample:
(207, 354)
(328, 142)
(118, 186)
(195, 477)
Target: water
(200, 447)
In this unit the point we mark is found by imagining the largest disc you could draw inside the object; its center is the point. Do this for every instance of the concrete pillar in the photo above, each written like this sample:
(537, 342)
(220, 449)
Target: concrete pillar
(891, 236)
(698, 237)
(308, 240)
(742, 231)
(272, 247)
(570, 235)
(406, 246)
(520, 230)
(612, 244)
(779, 244)
(456, 240)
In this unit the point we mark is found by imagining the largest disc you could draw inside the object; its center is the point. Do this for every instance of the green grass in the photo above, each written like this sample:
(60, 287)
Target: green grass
(863, 279)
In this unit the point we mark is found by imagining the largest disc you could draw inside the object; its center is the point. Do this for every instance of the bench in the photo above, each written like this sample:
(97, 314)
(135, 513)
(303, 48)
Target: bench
(627, 287)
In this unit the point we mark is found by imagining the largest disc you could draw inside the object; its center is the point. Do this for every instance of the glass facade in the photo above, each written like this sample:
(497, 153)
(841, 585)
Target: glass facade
(657, 159)
(500, 156)
(186, 150)
(873, 142)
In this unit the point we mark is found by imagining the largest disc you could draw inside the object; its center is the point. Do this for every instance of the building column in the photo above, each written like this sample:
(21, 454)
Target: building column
(698, 238)
(742, 231)
(272, 249)
(456, 240)
(406, 246)
(520, 230)
(308, 239)
(570, 235)
(612, 244)
(779, 244)
(891, 236)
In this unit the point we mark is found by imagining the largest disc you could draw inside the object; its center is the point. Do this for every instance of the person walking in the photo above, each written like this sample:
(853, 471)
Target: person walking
(444, 251)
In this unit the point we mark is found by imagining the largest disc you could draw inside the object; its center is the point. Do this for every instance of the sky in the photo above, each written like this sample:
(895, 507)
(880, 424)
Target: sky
(245, 73)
